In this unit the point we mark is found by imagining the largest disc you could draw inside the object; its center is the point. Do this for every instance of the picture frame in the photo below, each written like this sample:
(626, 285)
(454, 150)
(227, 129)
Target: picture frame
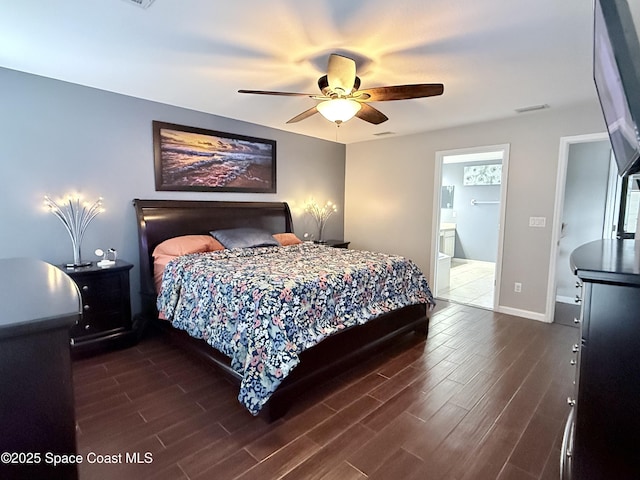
(482, 175)
(201, 160)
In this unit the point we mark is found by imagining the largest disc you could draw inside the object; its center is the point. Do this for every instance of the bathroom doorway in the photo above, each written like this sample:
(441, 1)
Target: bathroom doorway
(469, 211)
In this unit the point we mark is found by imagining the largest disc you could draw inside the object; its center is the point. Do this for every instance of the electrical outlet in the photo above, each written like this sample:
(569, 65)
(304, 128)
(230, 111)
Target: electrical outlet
(517, 287)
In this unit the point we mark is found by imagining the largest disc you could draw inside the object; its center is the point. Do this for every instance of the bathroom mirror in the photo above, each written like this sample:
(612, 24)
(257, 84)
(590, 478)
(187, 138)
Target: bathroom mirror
(446, 198)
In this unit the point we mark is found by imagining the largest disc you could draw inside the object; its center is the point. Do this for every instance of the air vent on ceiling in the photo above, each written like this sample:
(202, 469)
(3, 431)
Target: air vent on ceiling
(382, 134)
(532, 108)
(141, 3)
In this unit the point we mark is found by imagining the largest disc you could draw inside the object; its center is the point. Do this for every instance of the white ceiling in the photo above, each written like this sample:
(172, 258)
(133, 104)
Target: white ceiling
(493, 56)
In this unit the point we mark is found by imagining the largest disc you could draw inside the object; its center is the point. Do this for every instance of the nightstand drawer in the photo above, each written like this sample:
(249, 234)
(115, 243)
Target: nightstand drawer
(102, 301)
(97, 286)
(98, 324)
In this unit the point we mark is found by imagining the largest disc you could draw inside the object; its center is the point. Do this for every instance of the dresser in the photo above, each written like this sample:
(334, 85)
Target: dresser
(106, 306)
(39, 306)
(602, 434)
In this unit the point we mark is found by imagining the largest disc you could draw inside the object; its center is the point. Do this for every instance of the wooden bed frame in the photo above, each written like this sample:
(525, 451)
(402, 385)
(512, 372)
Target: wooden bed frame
(159, 220)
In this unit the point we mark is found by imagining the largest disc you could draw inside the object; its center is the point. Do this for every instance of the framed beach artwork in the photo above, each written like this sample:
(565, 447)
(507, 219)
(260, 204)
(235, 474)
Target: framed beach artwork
(195, 159)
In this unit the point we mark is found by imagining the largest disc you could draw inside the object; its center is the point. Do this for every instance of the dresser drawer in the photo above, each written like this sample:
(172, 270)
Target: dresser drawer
(566, 453)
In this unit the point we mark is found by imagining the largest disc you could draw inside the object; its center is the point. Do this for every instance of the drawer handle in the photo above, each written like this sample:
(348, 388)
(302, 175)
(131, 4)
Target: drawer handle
(87, 327)
(86, 308)
(85, 288)
(576, 320)
(578, 299)
(573, 361)
(571, 401)
(575, 348)
(578, 285)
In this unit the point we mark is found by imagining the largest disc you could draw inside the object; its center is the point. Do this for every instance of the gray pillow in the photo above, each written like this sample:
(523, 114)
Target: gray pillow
(244, 238)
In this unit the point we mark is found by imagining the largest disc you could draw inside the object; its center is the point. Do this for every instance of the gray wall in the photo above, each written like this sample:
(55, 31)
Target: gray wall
(390, 182)
(476, 226)
(58, 138)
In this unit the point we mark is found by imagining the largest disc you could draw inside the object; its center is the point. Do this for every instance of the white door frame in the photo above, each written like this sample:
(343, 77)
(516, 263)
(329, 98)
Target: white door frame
(435, 224)
(561, 179)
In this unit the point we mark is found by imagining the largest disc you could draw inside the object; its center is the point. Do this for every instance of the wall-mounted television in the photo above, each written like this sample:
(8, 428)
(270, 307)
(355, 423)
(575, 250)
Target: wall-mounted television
(616, 72)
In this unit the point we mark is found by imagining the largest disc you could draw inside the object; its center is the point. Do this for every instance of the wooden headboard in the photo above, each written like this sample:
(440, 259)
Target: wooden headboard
(159, 220)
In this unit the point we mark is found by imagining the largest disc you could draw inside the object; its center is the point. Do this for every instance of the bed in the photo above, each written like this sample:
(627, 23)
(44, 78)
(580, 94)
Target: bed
(160, 220)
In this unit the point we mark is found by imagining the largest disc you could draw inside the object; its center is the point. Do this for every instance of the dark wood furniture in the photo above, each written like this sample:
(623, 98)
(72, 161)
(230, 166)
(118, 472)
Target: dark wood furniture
(106, 306)
(159, 220)
(337, 243)
(39, 306)
(602, 435)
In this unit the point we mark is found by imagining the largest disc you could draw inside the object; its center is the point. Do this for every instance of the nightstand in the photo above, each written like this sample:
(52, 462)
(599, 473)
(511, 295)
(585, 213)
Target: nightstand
(106, 305)
(337, 243)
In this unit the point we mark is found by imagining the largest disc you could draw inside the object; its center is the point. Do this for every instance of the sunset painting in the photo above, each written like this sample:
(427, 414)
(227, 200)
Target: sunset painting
(189, 158)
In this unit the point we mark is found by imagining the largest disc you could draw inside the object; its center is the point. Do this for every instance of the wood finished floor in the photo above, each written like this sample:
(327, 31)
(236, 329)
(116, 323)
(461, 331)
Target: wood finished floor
(484, 397)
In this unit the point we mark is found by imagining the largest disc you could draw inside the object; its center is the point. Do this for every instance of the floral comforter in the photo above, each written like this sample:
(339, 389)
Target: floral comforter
(263, 306)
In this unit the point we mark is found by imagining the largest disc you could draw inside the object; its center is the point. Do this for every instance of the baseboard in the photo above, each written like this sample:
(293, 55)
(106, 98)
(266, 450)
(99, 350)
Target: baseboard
(540, 317)
(563, 299)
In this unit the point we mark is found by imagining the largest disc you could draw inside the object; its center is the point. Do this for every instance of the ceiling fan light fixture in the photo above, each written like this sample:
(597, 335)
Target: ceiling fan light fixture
(339, 110)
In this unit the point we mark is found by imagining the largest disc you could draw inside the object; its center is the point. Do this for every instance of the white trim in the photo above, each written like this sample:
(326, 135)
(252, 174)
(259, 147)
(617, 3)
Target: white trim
(613, 200)
(474, 156)
(561, 178)
(435, 225)
(540, 317)
(503, 216)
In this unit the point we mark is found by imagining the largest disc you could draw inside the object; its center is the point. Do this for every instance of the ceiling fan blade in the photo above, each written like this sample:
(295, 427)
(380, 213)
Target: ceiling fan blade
(371, 115)
(341, 73)
(303, 115)
(403, 92)
(286, 94)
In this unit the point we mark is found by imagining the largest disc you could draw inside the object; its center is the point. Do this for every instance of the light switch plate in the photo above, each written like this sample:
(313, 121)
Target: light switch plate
(539, 222)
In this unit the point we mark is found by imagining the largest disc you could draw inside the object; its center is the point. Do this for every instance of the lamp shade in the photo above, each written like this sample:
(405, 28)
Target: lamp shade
(339, 109)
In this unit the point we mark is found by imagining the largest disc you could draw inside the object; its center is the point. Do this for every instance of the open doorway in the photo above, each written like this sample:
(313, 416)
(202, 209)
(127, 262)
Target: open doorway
(587, 202)
(592, 202)
(467, 235)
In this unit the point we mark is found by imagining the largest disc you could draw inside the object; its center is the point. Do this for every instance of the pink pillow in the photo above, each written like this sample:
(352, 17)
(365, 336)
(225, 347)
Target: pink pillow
(286, 239)
(187, 244)
(159, 262)
(174, 247)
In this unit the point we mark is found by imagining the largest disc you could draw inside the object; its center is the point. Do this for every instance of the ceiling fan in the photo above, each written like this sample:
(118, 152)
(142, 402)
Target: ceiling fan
(341, 98)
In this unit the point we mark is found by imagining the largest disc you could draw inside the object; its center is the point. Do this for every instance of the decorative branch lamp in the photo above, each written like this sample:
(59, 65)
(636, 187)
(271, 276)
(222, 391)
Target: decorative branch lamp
(75, 215)
(320, 215)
